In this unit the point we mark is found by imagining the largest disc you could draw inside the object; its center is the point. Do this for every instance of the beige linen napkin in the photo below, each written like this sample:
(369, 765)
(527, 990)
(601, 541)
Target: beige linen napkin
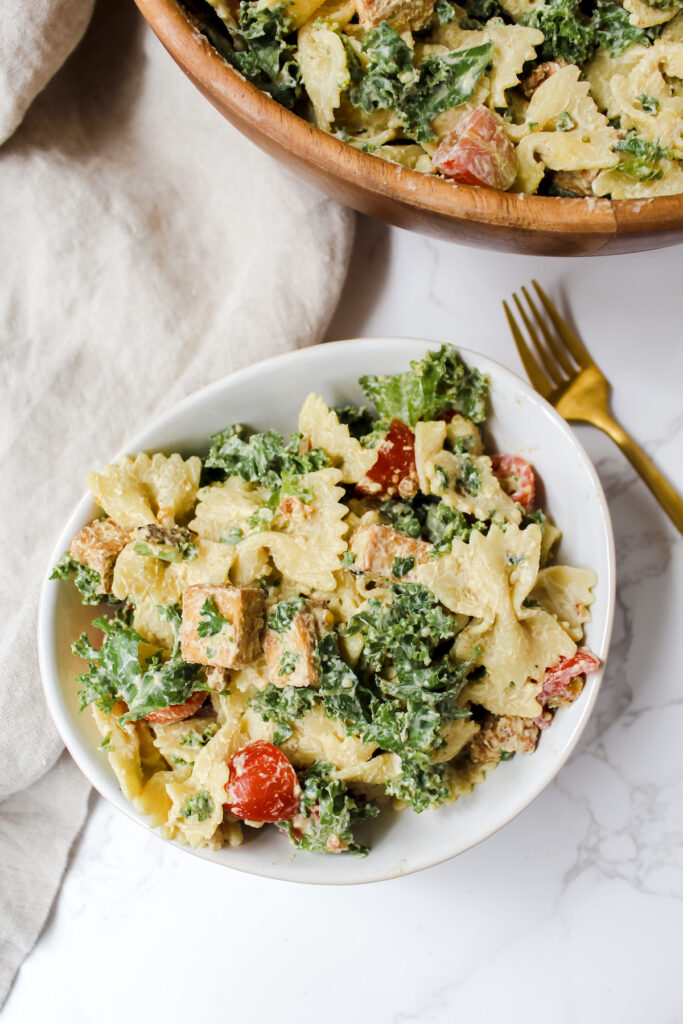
(147, 249)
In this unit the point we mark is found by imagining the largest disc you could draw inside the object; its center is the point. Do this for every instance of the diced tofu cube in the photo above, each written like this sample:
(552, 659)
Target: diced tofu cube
(508, 734)
(222, 625)
(376, 548)
(98, 546)
(403, 15)
(291, 655)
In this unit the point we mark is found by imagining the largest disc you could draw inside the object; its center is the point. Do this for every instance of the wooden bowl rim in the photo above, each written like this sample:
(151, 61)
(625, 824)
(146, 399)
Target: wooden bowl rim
(193, 52)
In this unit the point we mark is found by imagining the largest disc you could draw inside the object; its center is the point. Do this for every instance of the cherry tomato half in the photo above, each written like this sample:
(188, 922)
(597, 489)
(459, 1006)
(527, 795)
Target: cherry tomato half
(262, 785)
(558, 681)
(478, 152)
(516, 477)
(394, 471)
(177, 712)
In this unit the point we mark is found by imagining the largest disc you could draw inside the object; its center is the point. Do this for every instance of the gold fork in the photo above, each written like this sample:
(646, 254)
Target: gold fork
(564, 373)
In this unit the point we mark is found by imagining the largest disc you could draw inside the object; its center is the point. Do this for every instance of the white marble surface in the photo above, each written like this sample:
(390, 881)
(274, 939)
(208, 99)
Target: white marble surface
(574, 911)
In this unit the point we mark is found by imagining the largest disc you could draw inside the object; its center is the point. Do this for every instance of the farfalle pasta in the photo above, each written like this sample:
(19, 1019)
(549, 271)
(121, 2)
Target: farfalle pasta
(362, 615)
(567, 98)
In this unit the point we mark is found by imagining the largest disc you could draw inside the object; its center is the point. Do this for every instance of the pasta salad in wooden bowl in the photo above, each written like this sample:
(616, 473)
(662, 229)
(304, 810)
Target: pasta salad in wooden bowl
(448, 118)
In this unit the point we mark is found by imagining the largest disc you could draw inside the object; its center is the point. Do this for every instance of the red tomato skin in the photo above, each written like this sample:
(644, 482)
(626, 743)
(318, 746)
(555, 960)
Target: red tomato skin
(177, 712)
(524, 491)
(558, 677)
(394, 471)
(478, 152)
(262, 784)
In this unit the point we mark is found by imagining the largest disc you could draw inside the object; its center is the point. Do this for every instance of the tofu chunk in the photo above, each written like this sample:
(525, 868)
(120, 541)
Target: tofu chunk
(291, 655)
(504, 733)
(98, 546)
(376, 547)
(222, 625)
(403, 15)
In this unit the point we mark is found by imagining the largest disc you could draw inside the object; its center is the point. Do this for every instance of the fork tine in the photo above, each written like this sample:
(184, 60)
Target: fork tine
(536, 375)
(557, 350)
(573, 343)
(551, 371)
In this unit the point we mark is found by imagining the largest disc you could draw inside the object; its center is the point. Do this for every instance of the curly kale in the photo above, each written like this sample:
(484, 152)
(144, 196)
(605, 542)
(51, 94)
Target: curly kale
(86, 580)
(115, 674)
(391, 81)
(613, 30)
(439, 382)
(200, 804)
(357, 418)
(388, 74)
(281, 618)
(256, 45)
(644, 158)
(433, 521)
(283, 705)
(445, 81)
(404, 689)
(262, 458)
(568, 31)
(329, 813)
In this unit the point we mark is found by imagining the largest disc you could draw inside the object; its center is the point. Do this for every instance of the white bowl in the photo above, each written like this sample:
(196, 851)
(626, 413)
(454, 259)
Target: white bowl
(270, 394)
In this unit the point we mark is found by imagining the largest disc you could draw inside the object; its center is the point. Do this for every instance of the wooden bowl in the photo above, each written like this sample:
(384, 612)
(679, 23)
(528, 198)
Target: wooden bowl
(472, 216)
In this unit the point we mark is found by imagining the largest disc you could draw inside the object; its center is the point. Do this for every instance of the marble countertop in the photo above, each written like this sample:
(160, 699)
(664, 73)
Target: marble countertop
(574, 911)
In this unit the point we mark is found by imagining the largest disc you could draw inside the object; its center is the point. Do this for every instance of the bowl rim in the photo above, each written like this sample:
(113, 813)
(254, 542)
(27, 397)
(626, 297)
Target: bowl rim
(62, 717)
(432, 195)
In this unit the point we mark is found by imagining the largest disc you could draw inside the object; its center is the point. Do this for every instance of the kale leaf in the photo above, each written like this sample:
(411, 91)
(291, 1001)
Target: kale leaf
(86, 580)
(438, 383)
(443, 525)
(404, 517)
(283, 705)
(613, 29)
(444, 11)
(357, 418)
(281, 618)
(329, 812)
(114, 671)
(445, 81)
(400, 566)
(568, 32)
(343, 695)
(479, 12)
(211, 621)
(200, 804)
(256, 44)
(389, 71)
(199, 739)
(262, 458)
(391, 81)
(644, 164)
(420, 786)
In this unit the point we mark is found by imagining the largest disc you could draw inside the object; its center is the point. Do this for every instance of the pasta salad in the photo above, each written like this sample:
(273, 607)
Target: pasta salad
(557, 97)
(305, 631)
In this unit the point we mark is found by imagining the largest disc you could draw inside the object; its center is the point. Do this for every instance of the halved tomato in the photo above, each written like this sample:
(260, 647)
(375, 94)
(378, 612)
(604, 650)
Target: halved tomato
(394, 471)
(516, 477)
(177, 712)
(262, 784)
(478, 152)
(562, 683)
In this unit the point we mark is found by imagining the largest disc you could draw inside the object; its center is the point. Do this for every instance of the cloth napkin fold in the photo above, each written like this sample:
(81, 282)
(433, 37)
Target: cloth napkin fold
(148, 249)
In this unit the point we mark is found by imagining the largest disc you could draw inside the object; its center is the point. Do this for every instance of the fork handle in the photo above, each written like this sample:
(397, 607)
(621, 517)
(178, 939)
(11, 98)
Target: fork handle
(664, 492)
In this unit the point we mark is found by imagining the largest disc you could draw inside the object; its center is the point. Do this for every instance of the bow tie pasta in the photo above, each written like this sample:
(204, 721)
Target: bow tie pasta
(364, 613)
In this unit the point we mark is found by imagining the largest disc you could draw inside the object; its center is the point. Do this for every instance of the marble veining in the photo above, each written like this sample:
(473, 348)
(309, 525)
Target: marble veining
(573, 912)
